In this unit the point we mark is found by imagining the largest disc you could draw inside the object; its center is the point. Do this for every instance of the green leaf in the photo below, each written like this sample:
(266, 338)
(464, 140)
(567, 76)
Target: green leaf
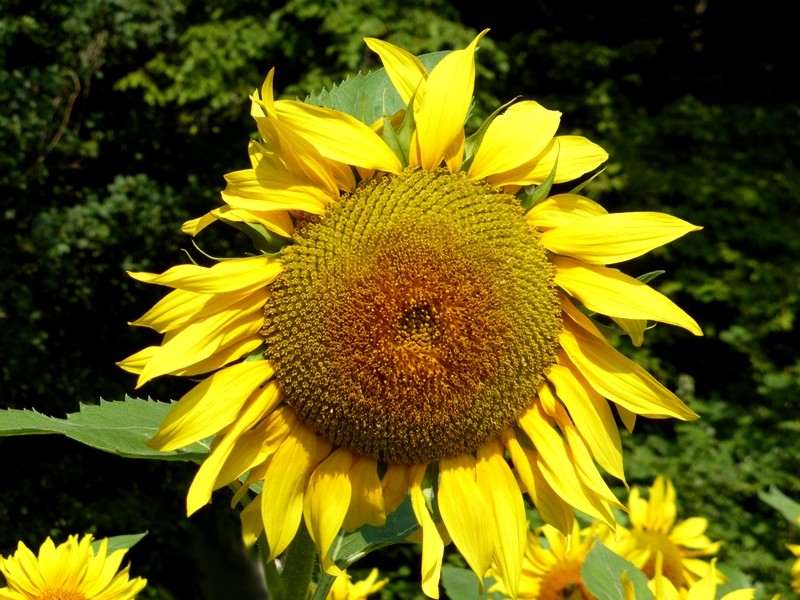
(462, 584)
(531, 196)
(368, 97)
(349, 547)
(121, 428)
(119, 542)
(782, 503)
(602, 575)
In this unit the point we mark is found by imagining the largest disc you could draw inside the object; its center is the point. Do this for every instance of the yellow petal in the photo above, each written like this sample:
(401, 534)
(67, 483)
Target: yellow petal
(338, 136)
(179, 307)
(562, 210)
(326, 503)
(464, 507)
(585, 467)
(620, 379)
(285, 484)
(557, 464)
(277, 221)
(613, 293)
(576, 155)
(592, 417)
(200, 340)
(210, 406)
(634, 328)
(256, 445)
(443, 109)
(252, 525)
(432, 544)
(274, 190)
(194, 226)
(239, 274)
(610, 238)
(512, 139)
(551, 508)
(366, 502)
(506, 510)
(205, 481)
(394, 486)
(405, 70)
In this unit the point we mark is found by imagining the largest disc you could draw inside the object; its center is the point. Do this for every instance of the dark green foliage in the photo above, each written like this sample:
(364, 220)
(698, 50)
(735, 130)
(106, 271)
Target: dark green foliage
(120, 118)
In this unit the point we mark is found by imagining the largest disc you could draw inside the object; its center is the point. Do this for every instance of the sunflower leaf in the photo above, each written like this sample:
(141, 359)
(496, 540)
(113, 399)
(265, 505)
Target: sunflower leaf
(603, 571)
(782, 503)
(532, 195)
(119, 542)
(349, 547)
(121, 428)
(367, 97)
(461, 583)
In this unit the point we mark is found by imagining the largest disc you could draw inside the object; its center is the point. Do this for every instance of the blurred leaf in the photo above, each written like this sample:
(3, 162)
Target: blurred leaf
(461, 584)
(602, 575)
(121, 428)
(782, 503)
(119, 542)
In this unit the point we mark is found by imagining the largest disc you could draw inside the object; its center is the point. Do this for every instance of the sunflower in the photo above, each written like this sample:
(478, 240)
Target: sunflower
(344, 589)
(421, 323)
(69, 571)
(795, 549)
(552, 571)
(702, 589)
(654, 533)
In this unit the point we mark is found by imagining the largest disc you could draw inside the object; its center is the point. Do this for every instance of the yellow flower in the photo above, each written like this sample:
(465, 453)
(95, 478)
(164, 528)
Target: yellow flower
(69, 571)
(344, 589)
(653, 533)
(418, 327)
(795, 549)
(553, 571)
(702, 589)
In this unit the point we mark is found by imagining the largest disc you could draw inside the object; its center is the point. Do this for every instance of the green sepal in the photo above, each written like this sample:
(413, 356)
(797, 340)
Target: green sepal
(119, 542)
(531, 195)
(368, 97)
(121, 428)
(586, 182)
(473, 142)
(400, 141)
(602, 575)
(265, 241)
(650, 275)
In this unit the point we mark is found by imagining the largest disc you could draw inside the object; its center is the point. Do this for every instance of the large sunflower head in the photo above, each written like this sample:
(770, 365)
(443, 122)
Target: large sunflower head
(654, 534)
(419, 324)
(69, 571)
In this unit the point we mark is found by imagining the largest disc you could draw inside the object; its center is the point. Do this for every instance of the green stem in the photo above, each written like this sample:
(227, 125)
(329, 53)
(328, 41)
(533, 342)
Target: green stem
(323, 586)
(300, 560)
(275, 585)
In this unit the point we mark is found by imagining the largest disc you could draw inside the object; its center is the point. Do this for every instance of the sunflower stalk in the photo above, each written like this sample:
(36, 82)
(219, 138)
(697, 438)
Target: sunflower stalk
(299, 566)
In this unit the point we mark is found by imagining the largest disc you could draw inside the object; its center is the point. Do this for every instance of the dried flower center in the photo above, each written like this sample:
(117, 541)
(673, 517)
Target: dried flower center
(416, 319)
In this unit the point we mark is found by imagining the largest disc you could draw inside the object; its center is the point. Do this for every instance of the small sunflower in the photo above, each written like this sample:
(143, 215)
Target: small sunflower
(344, 589)
(653, 532)
(703, 589)
(420, 324)
(552, 571)
(795, 549)
(69, 571)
